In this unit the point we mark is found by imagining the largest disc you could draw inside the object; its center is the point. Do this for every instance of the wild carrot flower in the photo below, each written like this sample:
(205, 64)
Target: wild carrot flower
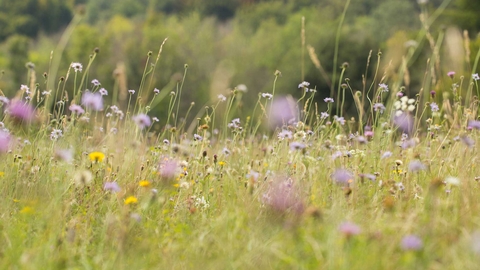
(92, 101)
(411, 242)
(96, 156)
(131, 200)
(142, 120)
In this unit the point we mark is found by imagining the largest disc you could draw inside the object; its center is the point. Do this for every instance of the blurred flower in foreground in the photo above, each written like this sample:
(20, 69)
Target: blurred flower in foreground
(5, 140)
(342, 176)
(349, 229)
(92, 101)
(111, 186)
(96, 156)
(416, 166)
(131, 200)
(64, 155)
(283, 197)
(283, 110)
(20, 111)
(168, 169)
(404, 122)
(76, 109)
(411, 242)
(142, 120)
(83, 178)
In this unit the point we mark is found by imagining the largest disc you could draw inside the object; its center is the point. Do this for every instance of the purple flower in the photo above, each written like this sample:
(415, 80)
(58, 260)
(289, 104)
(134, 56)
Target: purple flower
(21, 111)
(111, 186)
(5, 140)
(92, 101)
(328, 100)
(282, 197)
(434, 107)
(282, 111)
(77, 109)
(297, 146)
(386, 154)
(324, 115)
(131, 91)
(197, 137)
(474, 124)
(4, 101)
(469, 142)
(349, 229)
(342, 176)
(451, 74)
(285, 134)
(76, 66)
(379, 107)
(168, 169)
(404, 122)
(156, 91)
(411, 242)
(416, 166)
(340, 120)
(142, 120)
(383, 87)
(103, 92)
(95, 82)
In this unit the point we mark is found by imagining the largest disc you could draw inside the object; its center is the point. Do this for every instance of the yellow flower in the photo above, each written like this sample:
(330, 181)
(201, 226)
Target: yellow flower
(96, 156)
(222, 163)
(27, 210)
(2, 174)
(131, 200)
(144, 183)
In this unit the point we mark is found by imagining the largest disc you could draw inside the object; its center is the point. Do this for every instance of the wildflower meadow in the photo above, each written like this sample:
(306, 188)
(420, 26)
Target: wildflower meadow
(381, 176)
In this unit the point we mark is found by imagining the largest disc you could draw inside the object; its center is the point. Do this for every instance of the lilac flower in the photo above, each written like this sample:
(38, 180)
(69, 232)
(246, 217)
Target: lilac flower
(92, 101)
(76, 66)
(475, 77)
(411, 242)
(156, 91)
(282, 111)
(340, 120)
(297, 146)
(434, 107)
(77, 109)
(416, 166)
(349, 229)
(474, 124)
(103, 92)
(111, 186)
(168, 169)
(21, 111)
(386, 154)
(324, 115)
(342, 176)
(142, 120)
(383, 87)
(95, 82)
(131, 91)
(451, 74)
(5, 140)
(379, 107)
(328, 100)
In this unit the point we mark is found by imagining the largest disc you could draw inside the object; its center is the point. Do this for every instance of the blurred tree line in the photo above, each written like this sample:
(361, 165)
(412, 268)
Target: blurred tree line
(224, 42)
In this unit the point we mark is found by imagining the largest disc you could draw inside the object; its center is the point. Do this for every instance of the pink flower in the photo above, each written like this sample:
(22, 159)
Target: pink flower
(92, 101)
(21, 111)
(142, 120)
(5, 140)
(349, 229)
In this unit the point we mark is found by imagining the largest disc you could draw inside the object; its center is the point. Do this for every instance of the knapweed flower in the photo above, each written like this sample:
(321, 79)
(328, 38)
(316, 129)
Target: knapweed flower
(411, 242)
(475, 77)
(383, 87)
(451, 74)
(144, 183)
(111, 186)
(92, 101)
(20, 111)
(434, 107)
(328, 100)
(142, 120)
(76, 66)
(96, 156)
(131, 200)
(349, 229)
(342, 176)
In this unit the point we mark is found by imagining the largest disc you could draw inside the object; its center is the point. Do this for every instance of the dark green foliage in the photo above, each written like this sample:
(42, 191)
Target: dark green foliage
(18, 51)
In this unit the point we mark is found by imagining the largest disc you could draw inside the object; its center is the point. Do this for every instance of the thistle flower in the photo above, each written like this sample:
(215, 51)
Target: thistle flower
(21, 112)
(451, 74)
(349, 229)
(92, 101)
(142, 120)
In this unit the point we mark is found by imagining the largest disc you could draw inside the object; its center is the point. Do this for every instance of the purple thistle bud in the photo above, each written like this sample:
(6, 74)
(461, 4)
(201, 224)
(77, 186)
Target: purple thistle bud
(92, 101)
(142, 120)
(411, 242)
(451, 74)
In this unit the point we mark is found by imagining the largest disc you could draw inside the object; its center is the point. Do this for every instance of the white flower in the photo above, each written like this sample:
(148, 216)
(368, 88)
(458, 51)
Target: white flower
(475, 77)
